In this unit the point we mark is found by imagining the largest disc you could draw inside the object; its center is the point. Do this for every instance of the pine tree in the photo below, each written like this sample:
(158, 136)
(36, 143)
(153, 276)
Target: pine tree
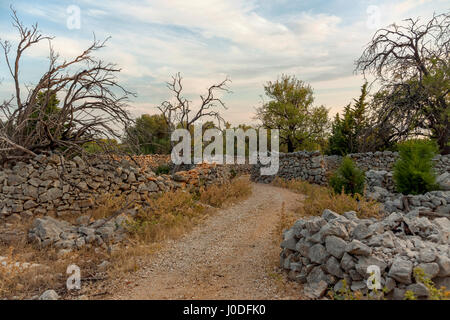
(347, 131)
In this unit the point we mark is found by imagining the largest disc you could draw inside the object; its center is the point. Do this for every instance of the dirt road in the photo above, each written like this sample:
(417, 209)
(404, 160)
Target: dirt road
(230, 256)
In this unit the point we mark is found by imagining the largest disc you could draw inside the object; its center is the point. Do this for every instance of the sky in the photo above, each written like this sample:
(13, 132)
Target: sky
(251, 42)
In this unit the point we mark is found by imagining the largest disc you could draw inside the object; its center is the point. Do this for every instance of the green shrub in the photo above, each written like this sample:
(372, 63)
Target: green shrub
(347, 178)
(162, 169)
(413, 171)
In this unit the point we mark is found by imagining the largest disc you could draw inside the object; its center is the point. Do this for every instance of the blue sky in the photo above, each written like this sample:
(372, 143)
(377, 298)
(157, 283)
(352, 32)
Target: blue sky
(252, 42)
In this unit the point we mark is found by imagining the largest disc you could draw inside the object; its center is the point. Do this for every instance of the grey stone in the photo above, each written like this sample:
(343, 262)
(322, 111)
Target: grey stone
(317, 274)
(419, 290)
(355, 275)
(53, 194)
(332, 267)
(316, 238)
(427, 255)
(444, 266)
(359, 286)
(361, 231)
(289, 241)
(334, 228)
(105, 232)
(316, 290)
(347, 262)
(444, 181)
(48, 228)
(80, 242)
(29, 204)
(335, 246)
(358, 248)
(303, 247)
(431, 269)
(390, 284)
(318, 254)
(397, 294)
(340, 285)
(49, 295)
(315, 224)
(385, 240)
(351, 215)
(14, 180)
(401, 270)
(329, 215)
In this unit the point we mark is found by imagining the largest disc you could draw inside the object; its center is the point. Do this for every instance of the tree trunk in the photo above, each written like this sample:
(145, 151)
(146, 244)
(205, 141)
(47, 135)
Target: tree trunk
(444, 138)
(443, 141)
(290, 145)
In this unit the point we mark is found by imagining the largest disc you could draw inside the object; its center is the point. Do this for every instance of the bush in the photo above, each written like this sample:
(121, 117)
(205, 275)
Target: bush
(413, 171)
(348, 178)
(319, 198)
(162, 169)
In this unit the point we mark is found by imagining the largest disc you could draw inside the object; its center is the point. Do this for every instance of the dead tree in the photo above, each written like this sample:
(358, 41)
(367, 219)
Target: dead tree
(92, 106)
(179, 114)
(411, 64)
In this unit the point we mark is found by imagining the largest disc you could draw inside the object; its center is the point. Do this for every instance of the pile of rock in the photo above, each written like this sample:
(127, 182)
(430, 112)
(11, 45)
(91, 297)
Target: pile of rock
(60, 234)
(322, 251)
(380, 187)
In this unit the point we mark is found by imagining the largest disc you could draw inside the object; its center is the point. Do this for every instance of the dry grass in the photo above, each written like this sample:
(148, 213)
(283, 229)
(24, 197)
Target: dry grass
(21, 283)
(225, 194)
(167, 216)
(172, 214)
(284, 222)
(319, 198)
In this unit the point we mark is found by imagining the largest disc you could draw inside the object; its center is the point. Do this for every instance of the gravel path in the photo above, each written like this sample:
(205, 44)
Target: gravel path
(230, 256)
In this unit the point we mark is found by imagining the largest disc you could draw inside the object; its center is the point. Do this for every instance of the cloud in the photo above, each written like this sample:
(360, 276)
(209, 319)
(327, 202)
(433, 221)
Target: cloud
(252, 42)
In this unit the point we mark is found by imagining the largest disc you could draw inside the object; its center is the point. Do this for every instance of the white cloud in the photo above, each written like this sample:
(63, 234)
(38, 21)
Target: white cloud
(207, 40)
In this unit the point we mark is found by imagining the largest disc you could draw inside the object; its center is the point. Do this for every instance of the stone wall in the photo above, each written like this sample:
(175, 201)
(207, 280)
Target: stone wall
(383, 161)
(322, 251)
(316, 168)
(53, 185)
(308, 166)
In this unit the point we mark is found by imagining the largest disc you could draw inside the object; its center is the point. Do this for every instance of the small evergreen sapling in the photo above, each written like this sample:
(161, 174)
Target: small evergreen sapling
(413, 171)
(348, 178)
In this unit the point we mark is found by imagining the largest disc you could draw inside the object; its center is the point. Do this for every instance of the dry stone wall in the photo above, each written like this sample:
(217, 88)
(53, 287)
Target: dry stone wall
(308, 166)
(316, 168)
(50, 184)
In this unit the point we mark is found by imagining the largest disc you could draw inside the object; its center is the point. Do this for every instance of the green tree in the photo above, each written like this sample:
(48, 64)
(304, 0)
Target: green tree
(291, 111)
(348, 178)
(413, 171)
(150, 135)
(347, 132)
